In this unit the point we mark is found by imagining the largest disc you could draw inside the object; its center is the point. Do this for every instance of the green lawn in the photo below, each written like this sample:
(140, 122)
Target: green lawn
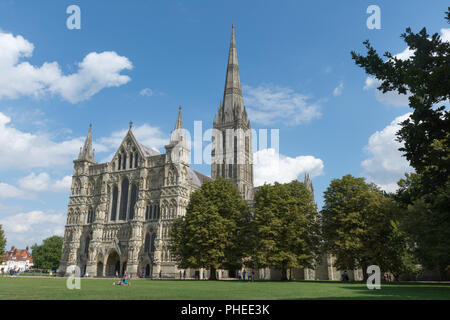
(35, 288)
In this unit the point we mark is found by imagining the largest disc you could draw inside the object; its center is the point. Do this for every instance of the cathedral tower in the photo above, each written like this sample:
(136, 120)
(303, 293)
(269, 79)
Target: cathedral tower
(232, 139)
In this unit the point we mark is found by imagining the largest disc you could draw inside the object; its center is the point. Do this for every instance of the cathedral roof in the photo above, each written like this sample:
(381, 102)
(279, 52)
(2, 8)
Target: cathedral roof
(197, 177)
(148, 152)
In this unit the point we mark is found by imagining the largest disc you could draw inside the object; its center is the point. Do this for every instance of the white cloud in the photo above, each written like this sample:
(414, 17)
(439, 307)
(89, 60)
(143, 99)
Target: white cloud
(338, 90)
(43, 183)
(267, 105)
(272, 167)
(385, 165)
(147, 92)
(405, 54)
(63, 185)
(23, 150)
(28, 228)
(9, 191)
(445, 36)
(96, 72)
(37, 183)
(26, 150)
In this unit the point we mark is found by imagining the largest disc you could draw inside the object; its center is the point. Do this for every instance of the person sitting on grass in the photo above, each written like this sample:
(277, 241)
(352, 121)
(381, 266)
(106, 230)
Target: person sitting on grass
(344, 277)
(123, 282)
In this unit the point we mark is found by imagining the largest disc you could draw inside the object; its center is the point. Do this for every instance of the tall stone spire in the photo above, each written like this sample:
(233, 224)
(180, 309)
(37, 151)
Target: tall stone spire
(233, 79)
(87, 153)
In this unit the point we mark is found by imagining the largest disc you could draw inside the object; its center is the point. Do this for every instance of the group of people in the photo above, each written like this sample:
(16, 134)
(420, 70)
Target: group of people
(250, 275)
(125, 281)
(11, 272)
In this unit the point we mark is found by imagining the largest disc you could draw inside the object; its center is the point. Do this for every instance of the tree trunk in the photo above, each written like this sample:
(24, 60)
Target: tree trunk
(283, 273)
(364, 271)
(212, 273)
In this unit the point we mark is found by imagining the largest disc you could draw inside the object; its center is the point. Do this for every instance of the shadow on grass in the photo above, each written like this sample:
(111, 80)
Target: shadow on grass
(404, 291)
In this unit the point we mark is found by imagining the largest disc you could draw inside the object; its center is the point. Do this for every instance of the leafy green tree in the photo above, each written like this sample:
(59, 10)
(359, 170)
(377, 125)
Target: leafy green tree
(2, 242)
(285, 227)
(214, 230)
(360, 225)
(48, 254)
(426, 77)
(425, 196)
(426, 222)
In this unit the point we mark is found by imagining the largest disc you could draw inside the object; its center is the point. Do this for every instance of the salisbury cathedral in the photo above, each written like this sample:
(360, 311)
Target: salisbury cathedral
(120, 212)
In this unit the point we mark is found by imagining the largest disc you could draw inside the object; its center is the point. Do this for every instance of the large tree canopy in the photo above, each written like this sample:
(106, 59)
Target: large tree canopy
(285, 227)
(360, 226)
(48, 254)
(426, 77)
(425, 196)
(214, 231)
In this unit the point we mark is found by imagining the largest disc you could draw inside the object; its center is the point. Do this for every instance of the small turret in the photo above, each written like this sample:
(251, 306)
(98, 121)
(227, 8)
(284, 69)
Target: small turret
(178, 150)
(179, 124)
(87, 153)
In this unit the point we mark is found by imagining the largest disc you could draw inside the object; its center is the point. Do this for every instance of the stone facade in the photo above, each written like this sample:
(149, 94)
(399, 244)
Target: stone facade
(120, 213)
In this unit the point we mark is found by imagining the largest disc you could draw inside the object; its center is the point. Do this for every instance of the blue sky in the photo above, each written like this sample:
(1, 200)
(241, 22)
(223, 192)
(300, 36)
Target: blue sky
(138, 60)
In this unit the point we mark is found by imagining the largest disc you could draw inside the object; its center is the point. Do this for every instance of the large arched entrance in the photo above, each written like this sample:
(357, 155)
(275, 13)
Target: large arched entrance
(112, 264)
(147, 270)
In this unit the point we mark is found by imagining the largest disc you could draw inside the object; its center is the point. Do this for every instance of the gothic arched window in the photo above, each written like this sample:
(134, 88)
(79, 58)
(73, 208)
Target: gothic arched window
(133, 200)
(90, 217)
(120, 162)
(170, 178)
(247, 145)
(173, 209)
(86, 245)
(124, 200)
(131, 160)
(76, 187)
(147, 243)
(136, 160)
(114, 203)
(91, 187)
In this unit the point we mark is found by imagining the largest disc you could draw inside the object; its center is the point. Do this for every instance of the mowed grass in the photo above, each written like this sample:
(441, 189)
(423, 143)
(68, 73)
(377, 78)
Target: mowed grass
(92, 289)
